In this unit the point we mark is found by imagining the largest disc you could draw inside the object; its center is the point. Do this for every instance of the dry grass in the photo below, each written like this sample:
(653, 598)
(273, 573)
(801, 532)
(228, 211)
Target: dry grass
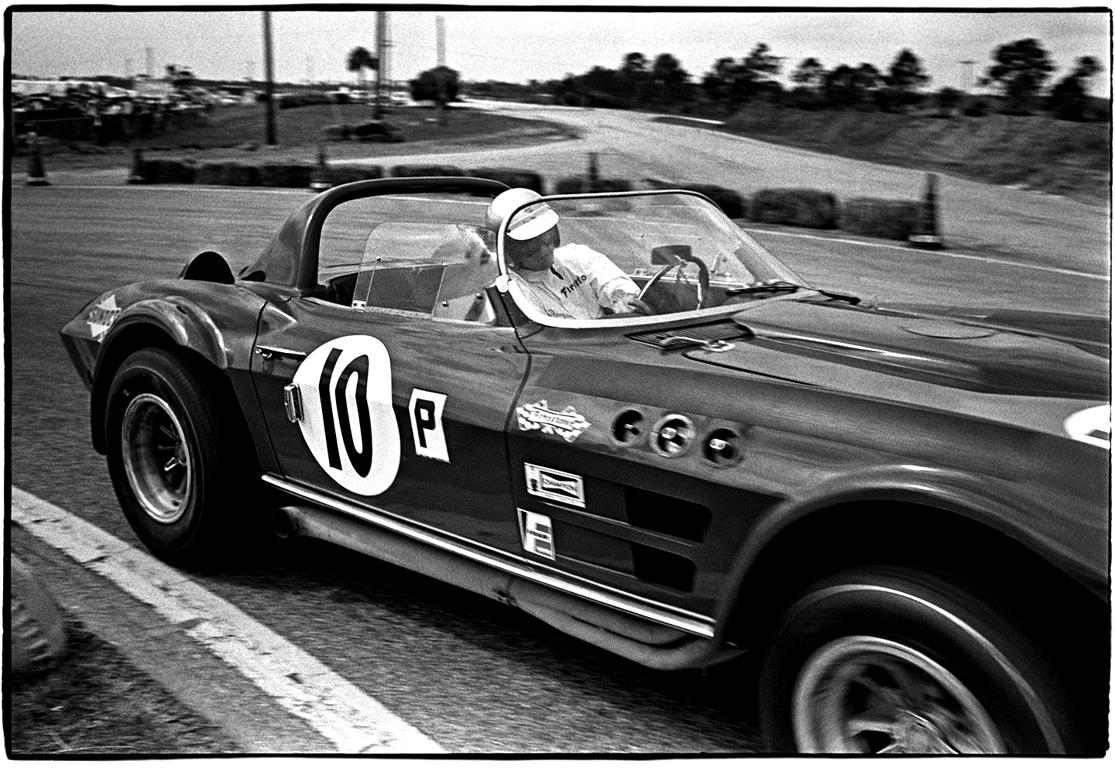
(96, 703)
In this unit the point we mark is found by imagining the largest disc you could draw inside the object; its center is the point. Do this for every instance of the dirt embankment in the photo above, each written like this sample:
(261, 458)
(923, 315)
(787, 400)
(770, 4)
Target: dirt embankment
(1038, 152)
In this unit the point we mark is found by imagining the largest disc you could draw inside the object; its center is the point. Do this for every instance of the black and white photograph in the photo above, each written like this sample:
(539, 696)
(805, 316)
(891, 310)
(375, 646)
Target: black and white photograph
(557, 382)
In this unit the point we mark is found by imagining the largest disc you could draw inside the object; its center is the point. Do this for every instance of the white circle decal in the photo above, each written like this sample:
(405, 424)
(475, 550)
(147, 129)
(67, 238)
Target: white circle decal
(349, 423)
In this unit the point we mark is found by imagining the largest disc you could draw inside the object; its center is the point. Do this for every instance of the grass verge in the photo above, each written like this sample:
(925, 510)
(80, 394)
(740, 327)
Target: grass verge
(97, 703)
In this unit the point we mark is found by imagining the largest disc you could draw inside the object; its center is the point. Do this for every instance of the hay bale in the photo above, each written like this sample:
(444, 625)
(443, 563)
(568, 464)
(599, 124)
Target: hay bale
(571, 185)
(285, 174)
(338, 132)
(228, 174)
(512, 177)
(166, 171)
(798, 207)
(876, 217)
(343, 174)
(426, 170)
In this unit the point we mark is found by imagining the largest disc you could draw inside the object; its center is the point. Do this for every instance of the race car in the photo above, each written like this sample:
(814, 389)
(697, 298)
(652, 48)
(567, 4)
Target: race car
(899, 513)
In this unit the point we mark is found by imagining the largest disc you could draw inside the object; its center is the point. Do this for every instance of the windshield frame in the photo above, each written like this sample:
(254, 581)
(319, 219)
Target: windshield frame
(506, 285)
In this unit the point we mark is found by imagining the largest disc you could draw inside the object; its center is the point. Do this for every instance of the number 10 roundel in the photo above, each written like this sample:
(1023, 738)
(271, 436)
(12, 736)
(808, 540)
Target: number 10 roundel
(348, 423)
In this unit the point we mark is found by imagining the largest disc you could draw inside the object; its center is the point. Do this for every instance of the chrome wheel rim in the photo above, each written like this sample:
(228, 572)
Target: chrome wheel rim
(157, 458)
(870, 695)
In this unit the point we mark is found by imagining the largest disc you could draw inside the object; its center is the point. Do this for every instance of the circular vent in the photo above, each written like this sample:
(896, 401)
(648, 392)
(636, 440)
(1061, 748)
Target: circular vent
(672, 435)
(722, 448)
(628, 428)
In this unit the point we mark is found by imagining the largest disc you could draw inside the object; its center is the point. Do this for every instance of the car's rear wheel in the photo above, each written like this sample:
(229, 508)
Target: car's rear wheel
(172, 456)
(890, 661)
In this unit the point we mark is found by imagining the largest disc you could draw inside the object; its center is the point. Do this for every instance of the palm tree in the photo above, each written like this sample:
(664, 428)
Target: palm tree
(358, 60)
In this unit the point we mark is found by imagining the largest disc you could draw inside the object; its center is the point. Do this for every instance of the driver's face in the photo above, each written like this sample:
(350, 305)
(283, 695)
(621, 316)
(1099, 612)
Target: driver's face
(536, 254)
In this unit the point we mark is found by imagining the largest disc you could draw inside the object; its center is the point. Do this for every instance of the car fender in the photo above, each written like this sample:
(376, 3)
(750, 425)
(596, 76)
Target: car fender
(995, 504)
(187, 322)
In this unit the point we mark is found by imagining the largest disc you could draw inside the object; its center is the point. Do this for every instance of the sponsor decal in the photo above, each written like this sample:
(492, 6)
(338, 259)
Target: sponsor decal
(566, 423)
(102, 316)
(1092, 425)
(537, 534)
(555, 485)
(349, 424)
(425, 424)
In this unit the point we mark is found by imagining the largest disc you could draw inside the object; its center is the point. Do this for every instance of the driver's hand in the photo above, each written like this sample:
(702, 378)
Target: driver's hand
(635, 304)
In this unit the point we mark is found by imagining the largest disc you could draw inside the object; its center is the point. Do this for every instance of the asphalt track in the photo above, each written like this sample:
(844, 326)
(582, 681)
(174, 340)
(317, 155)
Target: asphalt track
(469, 674)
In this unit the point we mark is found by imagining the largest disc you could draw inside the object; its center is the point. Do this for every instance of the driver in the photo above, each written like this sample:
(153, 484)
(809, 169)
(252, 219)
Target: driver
(570, 281)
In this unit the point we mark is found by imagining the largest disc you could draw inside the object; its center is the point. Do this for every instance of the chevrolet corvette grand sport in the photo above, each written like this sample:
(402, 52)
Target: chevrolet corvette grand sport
(901, 513)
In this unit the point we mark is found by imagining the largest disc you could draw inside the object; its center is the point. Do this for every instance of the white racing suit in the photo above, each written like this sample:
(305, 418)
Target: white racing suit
(580, 285)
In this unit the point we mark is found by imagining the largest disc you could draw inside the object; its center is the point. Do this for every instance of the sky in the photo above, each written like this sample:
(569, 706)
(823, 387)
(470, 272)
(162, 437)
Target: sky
(493, 43)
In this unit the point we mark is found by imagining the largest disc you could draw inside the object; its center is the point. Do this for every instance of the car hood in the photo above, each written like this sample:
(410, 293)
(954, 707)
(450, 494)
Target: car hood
(864, 349)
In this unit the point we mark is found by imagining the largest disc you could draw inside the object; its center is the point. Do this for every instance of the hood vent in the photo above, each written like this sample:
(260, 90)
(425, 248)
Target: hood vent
(693, 336)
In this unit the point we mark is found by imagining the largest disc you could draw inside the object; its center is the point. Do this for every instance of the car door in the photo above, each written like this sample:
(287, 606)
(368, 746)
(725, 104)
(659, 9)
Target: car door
(397, 398)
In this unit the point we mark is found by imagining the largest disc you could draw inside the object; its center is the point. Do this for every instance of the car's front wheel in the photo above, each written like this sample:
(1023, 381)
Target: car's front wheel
(172, 456)
(889, 662)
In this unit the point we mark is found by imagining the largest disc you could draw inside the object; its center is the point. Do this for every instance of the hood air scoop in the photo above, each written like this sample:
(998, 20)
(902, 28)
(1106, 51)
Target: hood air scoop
(694, 336)
(943, 329)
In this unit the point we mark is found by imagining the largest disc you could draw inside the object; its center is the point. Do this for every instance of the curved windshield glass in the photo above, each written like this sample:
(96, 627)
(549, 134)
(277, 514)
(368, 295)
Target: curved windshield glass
(578, 261)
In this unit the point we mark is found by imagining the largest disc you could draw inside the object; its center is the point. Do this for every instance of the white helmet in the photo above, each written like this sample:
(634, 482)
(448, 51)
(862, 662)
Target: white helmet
(530, 222)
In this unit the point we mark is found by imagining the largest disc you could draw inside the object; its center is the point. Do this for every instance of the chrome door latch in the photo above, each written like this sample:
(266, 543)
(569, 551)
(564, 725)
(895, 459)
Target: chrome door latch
(292, 399)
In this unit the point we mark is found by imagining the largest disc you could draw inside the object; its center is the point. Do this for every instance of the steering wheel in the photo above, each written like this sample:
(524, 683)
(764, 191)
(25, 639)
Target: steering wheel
(702, 277)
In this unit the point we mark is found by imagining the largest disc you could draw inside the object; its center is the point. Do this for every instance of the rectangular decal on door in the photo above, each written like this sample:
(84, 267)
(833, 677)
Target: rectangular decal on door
(555, 485)
(537, 533)
(425, 424)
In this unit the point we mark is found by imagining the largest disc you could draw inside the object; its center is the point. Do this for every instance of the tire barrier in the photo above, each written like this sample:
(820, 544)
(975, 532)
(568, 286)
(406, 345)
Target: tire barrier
(37, 636)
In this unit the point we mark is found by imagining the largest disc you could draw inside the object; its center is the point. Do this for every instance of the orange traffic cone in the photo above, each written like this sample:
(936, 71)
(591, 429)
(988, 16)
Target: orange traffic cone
(927, 232)
(36, 175)
(136, 176)
(593, 173)
(319, 177)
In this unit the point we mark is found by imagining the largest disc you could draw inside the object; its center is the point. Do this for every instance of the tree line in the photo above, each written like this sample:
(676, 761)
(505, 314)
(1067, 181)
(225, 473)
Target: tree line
(1018, 75)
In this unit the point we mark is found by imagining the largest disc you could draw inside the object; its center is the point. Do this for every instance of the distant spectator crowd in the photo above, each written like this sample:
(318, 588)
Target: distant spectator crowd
(89, 111)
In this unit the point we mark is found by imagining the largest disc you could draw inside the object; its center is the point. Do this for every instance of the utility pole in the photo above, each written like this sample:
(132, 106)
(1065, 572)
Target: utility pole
(381, 35)
(440, 74)
(150, 61)
(270, 86)
(967, 64)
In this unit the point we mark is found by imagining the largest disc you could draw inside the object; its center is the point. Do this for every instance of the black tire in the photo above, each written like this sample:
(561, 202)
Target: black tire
(885, 660)
(174, 457)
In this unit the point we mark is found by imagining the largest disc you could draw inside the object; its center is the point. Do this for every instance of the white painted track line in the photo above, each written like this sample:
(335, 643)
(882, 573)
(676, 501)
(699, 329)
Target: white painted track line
(946, 254)
(296, 681)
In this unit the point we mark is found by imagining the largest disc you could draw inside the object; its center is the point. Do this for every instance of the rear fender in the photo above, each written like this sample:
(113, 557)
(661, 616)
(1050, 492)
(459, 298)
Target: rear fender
(170, 322)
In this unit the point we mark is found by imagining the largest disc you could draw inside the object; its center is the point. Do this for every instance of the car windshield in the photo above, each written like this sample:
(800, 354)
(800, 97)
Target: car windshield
(621, 257)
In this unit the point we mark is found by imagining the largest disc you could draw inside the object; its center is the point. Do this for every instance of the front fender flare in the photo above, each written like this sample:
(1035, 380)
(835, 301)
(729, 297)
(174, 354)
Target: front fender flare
(992, 505)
